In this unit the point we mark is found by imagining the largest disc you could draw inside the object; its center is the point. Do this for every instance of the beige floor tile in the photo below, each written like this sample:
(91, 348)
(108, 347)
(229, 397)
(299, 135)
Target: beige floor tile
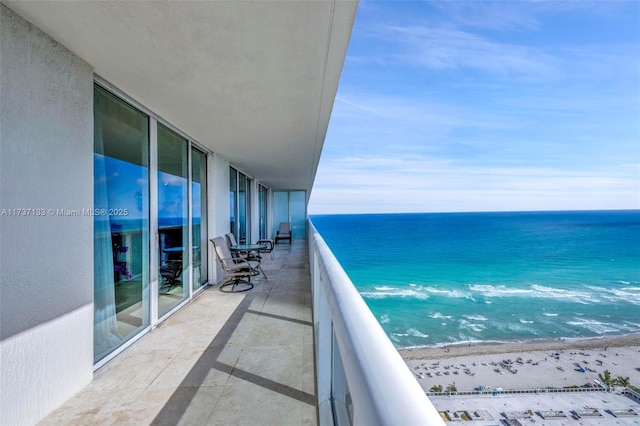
(224, 359)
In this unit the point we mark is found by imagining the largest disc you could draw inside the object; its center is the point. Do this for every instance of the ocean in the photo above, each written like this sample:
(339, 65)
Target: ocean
(444, 278)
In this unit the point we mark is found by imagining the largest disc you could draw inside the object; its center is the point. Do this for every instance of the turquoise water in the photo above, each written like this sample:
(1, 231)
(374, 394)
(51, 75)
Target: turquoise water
(442, 278)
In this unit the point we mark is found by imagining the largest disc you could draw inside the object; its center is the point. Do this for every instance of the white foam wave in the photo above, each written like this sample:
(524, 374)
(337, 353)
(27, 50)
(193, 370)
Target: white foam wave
(535, 290)
(627, 294)
(632, 325)
(475, 317)
(472, 326)
(524, 321)
(549, 314)
(416, 333)
(395, 293)
(595, 326)
(384, 319)
(497, 291)
(456, 294)
(438, 315)
(518, 328)
(414, 291)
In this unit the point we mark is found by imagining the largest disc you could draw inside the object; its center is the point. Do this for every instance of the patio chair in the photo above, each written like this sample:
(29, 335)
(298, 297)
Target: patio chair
(284, 232)
(250, 255)
(237, 271)
(268, 246)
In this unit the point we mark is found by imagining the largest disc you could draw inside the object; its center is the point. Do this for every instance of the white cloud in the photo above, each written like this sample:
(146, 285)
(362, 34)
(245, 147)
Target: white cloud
(446, 48)
(448, 112)
(353, 185)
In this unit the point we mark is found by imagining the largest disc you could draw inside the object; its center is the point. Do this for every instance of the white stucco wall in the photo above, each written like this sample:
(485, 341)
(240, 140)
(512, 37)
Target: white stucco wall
(220, 199)
(46, 258)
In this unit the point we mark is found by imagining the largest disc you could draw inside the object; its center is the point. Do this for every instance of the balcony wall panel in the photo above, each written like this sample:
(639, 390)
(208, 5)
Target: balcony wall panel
(46, 259)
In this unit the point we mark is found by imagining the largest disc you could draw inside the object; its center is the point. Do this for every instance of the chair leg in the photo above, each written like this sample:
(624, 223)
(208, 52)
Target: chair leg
(233, 283)
(261, 270)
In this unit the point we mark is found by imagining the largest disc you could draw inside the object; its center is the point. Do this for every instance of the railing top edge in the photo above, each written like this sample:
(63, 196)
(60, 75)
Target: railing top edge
(375, 371)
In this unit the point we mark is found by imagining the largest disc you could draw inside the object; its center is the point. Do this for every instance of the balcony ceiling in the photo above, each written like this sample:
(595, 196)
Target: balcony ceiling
(254, 81)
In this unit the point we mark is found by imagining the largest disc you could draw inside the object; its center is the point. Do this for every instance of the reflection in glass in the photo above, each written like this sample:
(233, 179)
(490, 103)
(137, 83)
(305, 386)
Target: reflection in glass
(290, 206)
(262, 196)
(280, 209)
(233, 191)
(121, 222)
(173, 241)
(242, 209)
(199, 216)
(298, 213)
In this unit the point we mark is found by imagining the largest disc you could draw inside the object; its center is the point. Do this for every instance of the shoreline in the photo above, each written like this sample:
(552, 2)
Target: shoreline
(491, 347)
(525, 365)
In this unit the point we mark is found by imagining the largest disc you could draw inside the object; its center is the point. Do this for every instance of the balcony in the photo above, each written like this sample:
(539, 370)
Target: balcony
(251, 358)
(226, 358)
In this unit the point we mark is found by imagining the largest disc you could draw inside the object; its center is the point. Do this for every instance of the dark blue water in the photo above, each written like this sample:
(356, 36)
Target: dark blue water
(458, 277)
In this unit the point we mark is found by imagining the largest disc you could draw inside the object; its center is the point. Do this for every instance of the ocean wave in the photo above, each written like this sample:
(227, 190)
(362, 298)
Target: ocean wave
(475, 317)
(415, 291)
(472, 326)
(438, 315)
(558, 293)
(535, 290)
(408, 293)
(524, 321)
(488, 290)
(384, 319)
(595, 326)
(416, 333)
(455, 294)
(626, 294)
(632, 325)
(549, 314)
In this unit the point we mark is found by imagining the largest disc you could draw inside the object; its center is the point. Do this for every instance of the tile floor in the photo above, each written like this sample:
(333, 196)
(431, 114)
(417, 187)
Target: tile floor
(224, 359)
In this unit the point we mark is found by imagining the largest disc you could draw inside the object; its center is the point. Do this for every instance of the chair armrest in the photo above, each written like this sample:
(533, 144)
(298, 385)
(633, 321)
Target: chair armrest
(267, 242)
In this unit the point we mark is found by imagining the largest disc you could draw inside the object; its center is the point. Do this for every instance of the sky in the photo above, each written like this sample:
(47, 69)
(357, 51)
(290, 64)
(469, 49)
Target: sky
(485, 106)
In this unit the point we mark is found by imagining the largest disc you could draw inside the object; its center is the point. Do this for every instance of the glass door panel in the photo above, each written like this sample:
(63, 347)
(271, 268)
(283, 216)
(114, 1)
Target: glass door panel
(233, 196)
(173, 239)
(121, 222)
(262, 194)
(242, 209)
(280, 209)
(199, 216)
(298, 213)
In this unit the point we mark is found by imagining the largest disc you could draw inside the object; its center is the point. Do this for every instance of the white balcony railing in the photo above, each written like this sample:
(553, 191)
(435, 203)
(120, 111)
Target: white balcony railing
(361, 377)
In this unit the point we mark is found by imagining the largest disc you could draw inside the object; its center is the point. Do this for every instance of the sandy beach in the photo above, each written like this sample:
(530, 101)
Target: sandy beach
(530, 365)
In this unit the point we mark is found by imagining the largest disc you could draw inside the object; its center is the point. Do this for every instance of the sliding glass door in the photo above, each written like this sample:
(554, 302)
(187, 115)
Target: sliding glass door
(262, 211)
(199, 239)
(290, 206)
(148, 180)
(121, 222)
(240, 204)
(173, 229)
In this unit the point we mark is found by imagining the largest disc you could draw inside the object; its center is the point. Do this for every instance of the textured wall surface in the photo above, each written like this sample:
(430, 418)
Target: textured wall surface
(46, 256)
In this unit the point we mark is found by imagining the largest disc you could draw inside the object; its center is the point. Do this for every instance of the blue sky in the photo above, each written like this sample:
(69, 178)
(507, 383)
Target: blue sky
(485, 106)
